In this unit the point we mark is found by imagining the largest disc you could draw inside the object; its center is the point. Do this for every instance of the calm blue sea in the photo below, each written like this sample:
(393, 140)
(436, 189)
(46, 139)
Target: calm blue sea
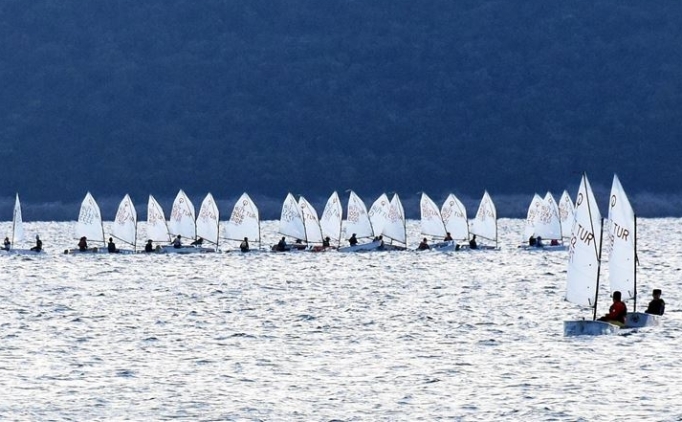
(384, 336)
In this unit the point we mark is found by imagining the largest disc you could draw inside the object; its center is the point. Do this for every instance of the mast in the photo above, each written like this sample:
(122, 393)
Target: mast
(596, 290)
(634, 268)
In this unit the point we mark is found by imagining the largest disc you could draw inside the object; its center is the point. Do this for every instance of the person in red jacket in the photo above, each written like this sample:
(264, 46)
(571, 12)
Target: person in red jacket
(617, 311)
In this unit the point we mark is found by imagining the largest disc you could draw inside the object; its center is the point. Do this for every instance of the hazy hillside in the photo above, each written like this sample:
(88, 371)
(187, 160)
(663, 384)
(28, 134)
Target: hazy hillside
(310, 97)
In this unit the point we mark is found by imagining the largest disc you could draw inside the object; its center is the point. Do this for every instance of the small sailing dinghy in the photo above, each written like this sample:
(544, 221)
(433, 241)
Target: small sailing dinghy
(432, 224)
(89, 228)
(244, 221)
(18, 233)
(358, 223)
(623, 260)
(290, 224)
(584, 260)
(543, 222)
(183, 223)
(208, 224)
(395, 228)
(484, 224)
(331, 220)
(124, 227)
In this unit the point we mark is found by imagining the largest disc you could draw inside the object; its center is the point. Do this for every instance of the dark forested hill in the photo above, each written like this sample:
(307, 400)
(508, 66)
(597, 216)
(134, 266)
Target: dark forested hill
(311, 96)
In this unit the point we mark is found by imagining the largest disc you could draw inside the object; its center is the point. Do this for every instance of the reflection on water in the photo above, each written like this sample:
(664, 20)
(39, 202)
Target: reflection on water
(330, 336)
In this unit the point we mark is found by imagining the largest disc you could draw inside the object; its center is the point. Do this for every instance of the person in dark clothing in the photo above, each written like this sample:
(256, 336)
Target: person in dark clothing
(423, 245)
(244, 246)
(326, 242)
(6, 244)
(472, 243)
(149, 247)
(538, 242)
(657, 305)
(448, 237)
(111, 246)
(617, 310)
(532, 241)
(198, 242)
(177, 243)
(39, 245)
(281, 245)
(353, 240)
(83, 244)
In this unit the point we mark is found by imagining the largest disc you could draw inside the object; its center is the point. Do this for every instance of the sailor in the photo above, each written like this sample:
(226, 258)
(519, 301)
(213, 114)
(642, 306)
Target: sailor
(6, 244)
(111, 246)
(39, 245)
(281, 245)
(244, 246)
(353, 240)
(448, 237)
(83, 244)
(149, 247)
(177, 242)
(657, 305)
(423, 245)
(617, 311)
(326, 242)
(531, 240)
(198, 242)
(472, 243)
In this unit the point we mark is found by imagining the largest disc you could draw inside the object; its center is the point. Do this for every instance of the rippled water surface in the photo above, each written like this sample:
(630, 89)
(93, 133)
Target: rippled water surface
(328, 336)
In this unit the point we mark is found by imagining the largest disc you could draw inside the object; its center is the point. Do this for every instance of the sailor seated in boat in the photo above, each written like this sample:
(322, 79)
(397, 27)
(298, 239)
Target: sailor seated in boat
(39, 245)
(177, 242)
(657, 305)
(353, 240)
(83, 244)
(198, 242)
(149, 247)
(423, 245)
(299, 244)
(472, 243)
(6, 244)
(532, 241)
(554, 242)
(538, 242)
(111, 246)
(448, 237)
(244, 246)
(281, 246)
(617, 311)
(326, 242)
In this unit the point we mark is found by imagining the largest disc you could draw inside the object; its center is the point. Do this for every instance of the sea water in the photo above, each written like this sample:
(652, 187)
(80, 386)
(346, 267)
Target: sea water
(468, 335)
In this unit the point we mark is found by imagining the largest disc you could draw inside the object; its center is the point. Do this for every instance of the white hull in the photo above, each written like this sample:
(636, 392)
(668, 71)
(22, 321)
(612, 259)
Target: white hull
(372, 246)
(641, 319)
(89, 251)
(545, 248)
(21, 252)
(589, 328)
(184, 250)
(449, 245)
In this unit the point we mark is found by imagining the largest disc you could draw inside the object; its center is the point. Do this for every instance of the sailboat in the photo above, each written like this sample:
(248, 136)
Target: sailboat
(157, 227)
(484, 224)
(454, 216)
(378, 214)
(244, 221)
(622, 232)
(291, 224)
(124, 227)
(543, 222)
(183, 223)
(358, 223)
(89, 225)
(331, 219)
(311, 224)
(208, 223)
(584, 261)
(395, 228)
(18, 232)
(432, 224)
(566, 215)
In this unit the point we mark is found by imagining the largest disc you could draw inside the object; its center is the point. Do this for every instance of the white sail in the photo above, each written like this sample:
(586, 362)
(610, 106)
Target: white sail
(357, 220)
(485, 222)
(552, 221)
(566, 214)
(621, 232)
(182, 219)
(455, 218)
(90, 221)
(431, 220)
(533, 216)
(17, 223)
(584, 253)
(395, 228)
(244, 220)
(331, 218)
(378, 213)
(311, 222)
(125, 222)
(208, 220)
(157, 228)
(291, 220)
